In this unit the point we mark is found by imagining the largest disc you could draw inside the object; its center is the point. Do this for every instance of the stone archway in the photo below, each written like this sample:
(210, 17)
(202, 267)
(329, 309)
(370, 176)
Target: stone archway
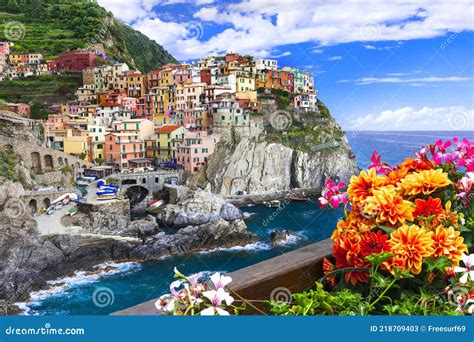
(47, 203)
(48, 162)
(60, 161)
(66, 162)
(136, 194)
(33, 205)
(36, 162)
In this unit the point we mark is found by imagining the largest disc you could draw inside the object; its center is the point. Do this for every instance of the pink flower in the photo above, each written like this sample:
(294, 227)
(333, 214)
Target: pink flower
(332, 194)
(378, 165)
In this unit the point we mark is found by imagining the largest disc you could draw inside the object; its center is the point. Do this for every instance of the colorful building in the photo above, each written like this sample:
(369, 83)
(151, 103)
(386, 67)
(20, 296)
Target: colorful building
(193, 150)
(121, 148)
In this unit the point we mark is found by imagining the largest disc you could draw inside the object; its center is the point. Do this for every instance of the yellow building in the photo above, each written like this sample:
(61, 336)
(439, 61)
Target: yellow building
(78, 143)
(164, 140)
(245, 81)
(164, 100)
(97, 134)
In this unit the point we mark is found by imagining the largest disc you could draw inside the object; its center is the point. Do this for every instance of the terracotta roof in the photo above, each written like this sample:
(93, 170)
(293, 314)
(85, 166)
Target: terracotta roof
(167, 129)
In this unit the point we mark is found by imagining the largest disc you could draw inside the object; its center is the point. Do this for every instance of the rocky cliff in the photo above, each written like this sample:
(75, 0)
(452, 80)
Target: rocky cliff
(258, 166)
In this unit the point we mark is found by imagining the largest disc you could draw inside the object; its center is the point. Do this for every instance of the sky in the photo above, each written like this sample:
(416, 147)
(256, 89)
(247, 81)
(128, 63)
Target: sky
(378, 65)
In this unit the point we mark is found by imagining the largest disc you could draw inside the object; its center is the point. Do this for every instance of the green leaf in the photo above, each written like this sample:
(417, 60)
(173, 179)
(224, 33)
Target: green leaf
(377, 259)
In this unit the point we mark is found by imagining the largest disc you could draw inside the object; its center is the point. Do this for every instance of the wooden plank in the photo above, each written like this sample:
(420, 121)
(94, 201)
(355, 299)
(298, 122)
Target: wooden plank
(295, 271)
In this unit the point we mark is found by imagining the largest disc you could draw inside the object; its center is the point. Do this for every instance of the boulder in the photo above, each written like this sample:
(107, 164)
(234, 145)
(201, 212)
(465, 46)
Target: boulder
(278, 237)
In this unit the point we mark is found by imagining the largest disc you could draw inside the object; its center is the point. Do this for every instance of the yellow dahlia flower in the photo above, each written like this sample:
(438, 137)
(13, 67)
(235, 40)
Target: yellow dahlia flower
(425, 182)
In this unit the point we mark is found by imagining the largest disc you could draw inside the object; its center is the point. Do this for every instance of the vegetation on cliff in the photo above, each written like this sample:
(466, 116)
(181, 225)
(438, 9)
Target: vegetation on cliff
(37, 90)
(51, 27)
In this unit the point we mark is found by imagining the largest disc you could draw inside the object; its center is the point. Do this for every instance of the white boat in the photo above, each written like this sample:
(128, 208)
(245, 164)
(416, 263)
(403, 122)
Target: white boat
(58, 205)
(273, 204)
(60, 199)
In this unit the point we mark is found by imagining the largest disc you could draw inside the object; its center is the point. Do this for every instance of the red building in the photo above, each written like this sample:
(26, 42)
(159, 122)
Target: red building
(206, 76)
(73, 61)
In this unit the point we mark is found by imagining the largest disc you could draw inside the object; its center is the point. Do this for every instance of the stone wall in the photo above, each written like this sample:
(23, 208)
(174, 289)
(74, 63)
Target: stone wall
(36, 157)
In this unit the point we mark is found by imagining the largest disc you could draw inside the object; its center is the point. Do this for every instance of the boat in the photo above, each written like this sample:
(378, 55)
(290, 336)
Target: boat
(51, 210)
(297, 198)
(80, 200)
(101, 182)
(106, 197)
(66, 200)
(73, 211)
(60, 199)
(273, 204)
(156, 204)
(58, 205)
(109, 187)
(106, 192)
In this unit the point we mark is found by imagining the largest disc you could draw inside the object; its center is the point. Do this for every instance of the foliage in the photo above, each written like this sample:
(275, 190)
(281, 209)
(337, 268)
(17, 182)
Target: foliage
(8, 166)
(55, 26)
(323, 110)
(37, 90)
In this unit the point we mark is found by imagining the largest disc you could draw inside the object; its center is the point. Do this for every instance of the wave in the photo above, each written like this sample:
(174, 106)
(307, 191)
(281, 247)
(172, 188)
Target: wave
(58, 286)
(258, 246)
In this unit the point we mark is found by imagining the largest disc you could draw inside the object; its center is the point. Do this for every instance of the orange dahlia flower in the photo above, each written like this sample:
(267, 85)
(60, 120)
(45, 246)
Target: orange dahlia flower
(411, 244)
(354, 223)
(328, 267)
(426, 182)
(361, 187)
(448, 243)
(446, 218)
(387, 206)
(346, 251)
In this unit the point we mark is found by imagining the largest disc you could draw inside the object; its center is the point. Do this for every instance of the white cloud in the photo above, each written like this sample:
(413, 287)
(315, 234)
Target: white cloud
(335, 58)
(207, 14)
(260, 26)
(455, 118)
(388, 47)
(414, 80)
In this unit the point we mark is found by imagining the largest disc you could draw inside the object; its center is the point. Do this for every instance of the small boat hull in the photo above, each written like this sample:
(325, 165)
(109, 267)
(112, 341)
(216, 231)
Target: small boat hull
(106, 197)
(51, 210)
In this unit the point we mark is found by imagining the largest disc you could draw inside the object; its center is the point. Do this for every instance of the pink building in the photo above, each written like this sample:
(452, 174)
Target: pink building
(22, 109)
(122, 148)
(193, 151)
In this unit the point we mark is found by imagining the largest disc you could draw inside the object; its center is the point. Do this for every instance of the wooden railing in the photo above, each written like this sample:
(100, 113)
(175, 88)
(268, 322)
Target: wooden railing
(292, 272)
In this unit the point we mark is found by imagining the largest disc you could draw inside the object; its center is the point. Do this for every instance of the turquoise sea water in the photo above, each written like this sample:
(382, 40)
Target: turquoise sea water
(133, 283)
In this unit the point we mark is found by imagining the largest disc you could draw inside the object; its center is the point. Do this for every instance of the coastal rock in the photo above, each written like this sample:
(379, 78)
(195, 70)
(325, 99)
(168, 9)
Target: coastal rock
(191, 239)
(144, 228)
(108, 218)
(200, 208)
(229, 212)
(280, 236)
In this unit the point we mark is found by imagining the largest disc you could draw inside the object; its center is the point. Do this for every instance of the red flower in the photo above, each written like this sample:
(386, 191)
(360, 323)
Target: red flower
(347, 253)
(373, 243)
(432, 206)
(328, 267)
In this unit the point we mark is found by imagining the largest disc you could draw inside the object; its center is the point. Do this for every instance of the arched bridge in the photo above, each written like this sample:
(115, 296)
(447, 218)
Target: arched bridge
(138, 185)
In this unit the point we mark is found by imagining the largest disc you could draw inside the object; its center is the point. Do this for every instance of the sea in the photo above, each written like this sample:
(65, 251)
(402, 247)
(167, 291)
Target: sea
(117, 286)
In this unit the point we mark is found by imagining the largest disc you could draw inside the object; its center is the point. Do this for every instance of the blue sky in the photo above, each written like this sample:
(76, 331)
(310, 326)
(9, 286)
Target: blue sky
(381, 66)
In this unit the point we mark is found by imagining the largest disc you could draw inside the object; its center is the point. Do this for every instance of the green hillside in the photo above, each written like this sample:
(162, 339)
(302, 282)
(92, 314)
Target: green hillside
(54, 26)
